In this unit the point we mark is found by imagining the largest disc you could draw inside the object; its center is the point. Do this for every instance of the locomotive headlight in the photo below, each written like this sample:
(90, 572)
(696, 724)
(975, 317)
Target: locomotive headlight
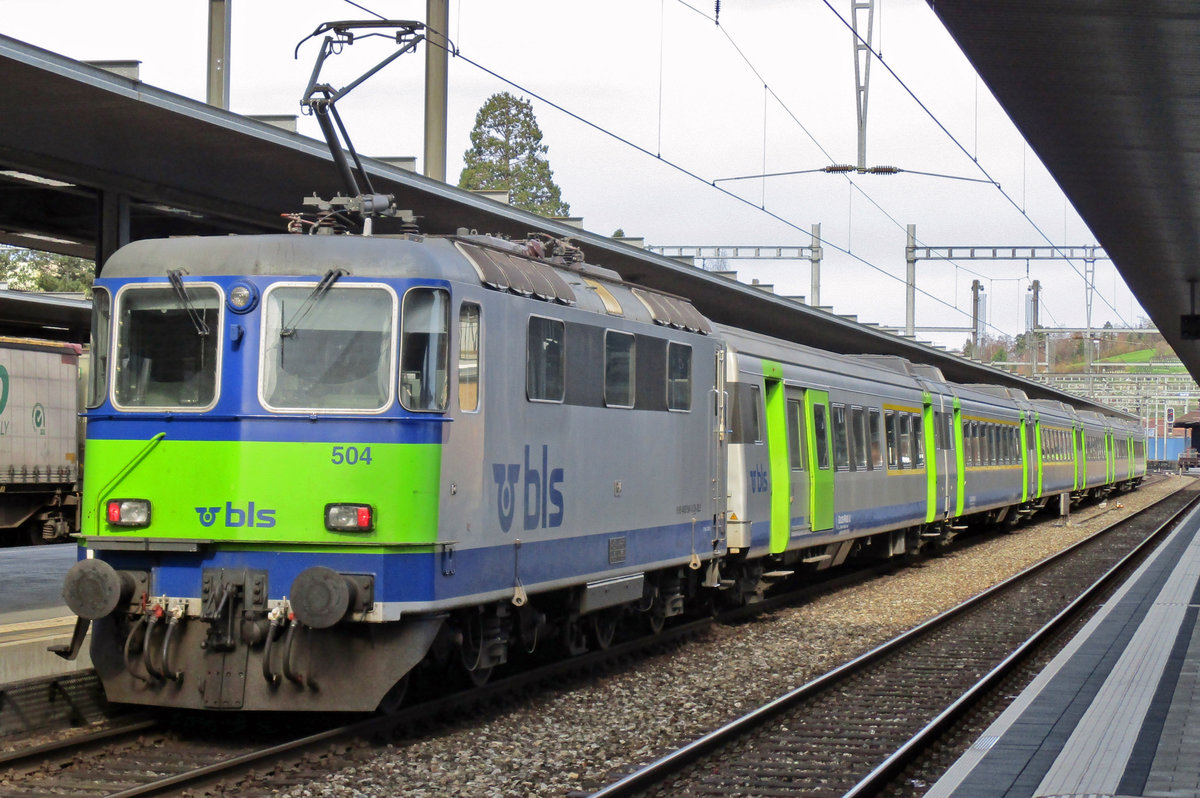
(128, 512)
(349, 517)
(242, 297)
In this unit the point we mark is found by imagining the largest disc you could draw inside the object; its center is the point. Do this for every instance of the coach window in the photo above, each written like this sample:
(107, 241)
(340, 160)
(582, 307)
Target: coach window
(101, 329)
(821, 437)
(744, 413)
(167, 347)
(468, 357)
(893, 445)
(619, 353)
(905, 435)
(918, 434)
(841, 444)
(875, 424)
(858, 428)
(545, 360)
(795, 417)
(679, 376)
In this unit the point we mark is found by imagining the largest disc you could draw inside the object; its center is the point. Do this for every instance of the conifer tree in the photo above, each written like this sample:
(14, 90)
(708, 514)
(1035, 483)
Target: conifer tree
(507, 154)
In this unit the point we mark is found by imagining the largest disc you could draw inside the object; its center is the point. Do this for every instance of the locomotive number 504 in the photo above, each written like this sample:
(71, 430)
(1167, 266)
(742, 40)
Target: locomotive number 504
(351, 455)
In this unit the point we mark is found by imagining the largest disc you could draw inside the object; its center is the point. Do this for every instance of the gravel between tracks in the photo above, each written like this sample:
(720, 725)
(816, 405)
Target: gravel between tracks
(573, 738)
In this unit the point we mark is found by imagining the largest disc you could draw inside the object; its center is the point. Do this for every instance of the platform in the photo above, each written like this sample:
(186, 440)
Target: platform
(1117, 712)
(32, 614)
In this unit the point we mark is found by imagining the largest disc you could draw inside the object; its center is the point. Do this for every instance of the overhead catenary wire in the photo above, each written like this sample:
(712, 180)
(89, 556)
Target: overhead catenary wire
(975, 160)
(455, 52)
(694, 176)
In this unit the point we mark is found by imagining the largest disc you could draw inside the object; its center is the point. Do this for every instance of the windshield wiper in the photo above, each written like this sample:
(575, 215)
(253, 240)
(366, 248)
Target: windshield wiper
(176, 278)
(322, 288)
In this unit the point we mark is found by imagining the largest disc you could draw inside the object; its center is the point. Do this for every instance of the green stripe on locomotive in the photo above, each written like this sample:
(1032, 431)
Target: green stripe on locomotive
(264, 491)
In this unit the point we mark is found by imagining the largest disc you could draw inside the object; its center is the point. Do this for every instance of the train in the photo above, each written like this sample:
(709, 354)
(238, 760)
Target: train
(40, 437)
(320, 464)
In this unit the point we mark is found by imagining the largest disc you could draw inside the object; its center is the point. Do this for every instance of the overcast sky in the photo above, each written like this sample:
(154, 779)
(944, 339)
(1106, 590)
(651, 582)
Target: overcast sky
(661, 75)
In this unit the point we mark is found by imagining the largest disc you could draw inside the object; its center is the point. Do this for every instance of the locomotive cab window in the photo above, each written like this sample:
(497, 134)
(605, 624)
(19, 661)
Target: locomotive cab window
(329, 351)
(167, 347)
(619, 353)
(101, 329)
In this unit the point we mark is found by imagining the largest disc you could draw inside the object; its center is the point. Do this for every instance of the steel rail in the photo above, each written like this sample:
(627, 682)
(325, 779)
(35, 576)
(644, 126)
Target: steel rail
(654, 773)
(891, 767)
(28, 757)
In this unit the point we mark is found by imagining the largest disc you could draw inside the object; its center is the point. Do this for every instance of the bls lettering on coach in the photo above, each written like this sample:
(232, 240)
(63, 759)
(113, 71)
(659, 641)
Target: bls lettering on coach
(542, 501)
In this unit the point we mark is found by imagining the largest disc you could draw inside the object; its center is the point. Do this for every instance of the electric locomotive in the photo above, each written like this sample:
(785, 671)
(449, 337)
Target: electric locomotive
(313, 459)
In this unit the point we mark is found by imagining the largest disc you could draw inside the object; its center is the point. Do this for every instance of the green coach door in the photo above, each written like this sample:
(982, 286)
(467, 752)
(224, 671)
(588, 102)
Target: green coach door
(820, 459)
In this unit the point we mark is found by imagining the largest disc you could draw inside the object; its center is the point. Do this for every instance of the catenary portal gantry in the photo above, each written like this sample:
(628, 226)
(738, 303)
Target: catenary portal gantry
(91, 160)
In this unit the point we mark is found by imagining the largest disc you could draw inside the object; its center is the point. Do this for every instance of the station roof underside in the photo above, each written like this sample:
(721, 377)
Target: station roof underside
(1107, 93)
(83, 134)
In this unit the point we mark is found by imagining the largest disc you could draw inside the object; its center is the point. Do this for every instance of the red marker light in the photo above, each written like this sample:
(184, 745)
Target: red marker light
(364, 517)
(114, 512)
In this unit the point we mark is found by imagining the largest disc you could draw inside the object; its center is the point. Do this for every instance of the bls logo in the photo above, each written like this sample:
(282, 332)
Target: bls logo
(540, 492)
(758, 480)
(236, 517)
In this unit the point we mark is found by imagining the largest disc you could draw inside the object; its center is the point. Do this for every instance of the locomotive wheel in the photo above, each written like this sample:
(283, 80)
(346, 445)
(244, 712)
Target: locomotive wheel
(604, 626)
(655, 618)
(574, 637)
(471, 652)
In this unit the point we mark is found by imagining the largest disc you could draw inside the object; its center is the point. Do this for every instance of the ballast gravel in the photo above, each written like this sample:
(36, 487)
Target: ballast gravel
(575, 738)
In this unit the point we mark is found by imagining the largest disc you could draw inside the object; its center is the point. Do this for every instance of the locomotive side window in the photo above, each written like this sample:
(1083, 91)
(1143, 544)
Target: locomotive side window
(841, 445)
(468, 357)
(545, 360)
(425, 349)
(876, 431)
(620, 349)
(101, 329)
(679, 376)
(744, 413)
(167, 346)
(331, 351)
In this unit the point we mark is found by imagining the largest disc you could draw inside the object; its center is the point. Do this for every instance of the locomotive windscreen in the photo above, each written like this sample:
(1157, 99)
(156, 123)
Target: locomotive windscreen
(336, 356)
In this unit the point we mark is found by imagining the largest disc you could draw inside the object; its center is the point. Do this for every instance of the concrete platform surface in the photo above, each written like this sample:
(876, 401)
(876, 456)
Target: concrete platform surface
(32, 614)
(1117, 712)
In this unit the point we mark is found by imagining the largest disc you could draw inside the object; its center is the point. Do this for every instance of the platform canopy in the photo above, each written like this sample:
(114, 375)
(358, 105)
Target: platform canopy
(91, 159)
(1107, 92)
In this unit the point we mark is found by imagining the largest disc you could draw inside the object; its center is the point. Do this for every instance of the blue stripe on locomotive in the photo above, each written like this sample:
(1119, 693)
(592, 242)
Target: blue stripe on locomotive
(413, 577)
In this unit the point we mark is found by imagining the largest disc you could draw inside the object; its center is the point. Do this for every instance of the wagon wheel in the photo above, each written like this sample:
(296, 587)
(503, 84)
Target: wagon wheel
(604, 626)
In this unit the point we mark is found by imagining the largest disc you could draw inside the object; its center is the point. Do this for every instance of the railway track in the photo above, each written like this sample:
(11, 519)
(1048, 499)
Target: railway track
(870, 725)
(158, 757)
